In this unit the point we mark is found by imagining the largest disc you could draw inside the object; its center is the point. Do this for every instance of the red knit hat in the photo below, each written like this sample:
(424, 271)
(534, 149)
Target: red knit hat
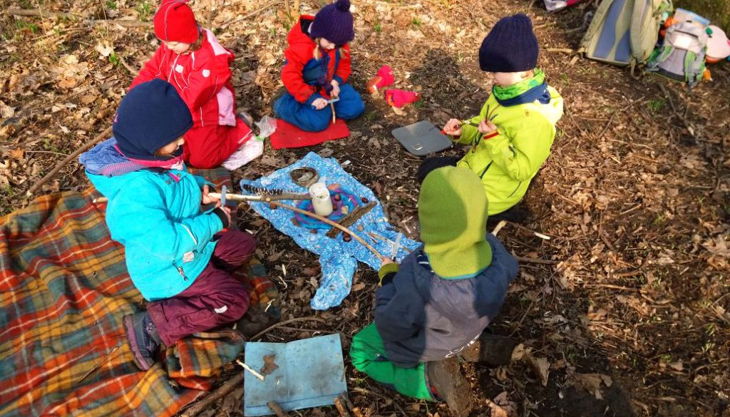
(175, 22)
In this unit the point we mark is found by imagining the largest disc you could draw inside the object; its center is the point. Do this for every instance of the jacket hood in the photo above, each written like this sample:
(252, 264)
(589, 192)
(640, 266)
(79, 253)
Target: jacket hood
(452, 211)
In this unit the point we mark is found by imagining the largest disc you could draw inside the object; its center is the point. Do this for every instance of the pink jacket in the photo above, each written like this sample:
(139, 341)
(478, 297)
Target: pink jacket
(202, 78)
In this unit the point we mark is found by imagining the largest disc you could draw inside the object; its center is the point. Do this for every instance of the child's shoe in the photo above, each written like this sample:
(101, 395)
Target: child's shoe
(491, 349)
(143, 339)
(448, 384)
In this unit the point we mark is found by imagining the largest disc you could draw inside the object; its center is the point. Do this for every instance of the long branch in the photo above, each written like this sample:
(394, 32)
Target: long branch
(333, 224)
(103, 135)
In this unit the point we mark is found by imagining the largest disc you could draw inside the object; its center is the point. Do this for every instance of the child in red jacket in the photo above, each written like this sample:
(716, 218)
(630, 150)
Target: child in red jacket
(191, 59)
(316, 70)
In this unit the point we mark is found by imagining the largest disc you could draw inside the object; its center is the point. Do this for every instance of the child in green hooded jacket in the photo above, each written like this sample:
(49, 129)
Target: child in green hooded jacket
(438, 301)
(511, 137)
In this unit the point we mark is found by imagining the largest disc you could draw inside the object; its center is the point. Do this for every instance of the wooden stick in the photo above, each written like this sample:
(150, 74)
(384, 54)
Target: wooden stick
(352, 218)
(251, 370)
(281, 323)
(45, 14)
(224, 389)
(103, 135)
(535, 260)
(276, 408)
(261, 198)
(247, 15)
(331, 223)
(341, 407)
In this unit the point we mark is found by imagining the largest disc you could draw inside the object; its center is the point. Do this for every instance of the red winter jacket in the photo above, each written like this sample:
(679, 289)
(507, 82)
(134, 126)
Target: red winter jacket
(201, 77)
(300, 52)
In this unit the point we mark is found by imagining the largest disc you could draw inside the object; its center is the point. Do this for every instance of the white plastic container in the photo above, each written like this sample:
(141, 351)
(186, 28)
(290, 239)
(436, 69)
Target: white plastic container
(321, 200)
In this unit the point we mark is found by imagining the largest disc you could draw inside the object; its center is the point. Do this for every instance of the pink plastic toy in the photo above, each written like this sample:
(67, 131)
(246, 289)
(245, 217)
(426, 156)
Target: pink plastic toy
(399, 98)
(383, 78)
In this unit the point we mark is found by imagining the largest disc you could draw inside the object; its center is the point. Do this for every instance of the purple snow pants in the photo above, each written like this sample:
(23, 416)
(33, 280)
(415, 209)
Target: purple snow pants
(214, 299)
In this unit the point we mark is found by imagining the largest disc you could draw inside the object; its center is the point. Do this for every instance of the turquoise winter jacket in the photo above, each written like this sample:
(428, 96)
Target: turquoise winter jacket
(156, 215)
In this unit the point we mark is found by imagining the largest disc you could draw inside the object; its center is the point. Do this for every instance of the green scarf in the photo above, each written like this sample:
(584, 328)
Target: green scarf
(514, 90)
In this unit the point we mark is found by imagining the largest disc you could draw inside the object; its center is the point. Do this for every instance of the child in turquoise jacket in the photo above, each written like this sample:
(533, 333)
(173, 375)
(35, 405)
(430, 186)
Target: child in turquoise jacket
(511, 137)
(175, 252)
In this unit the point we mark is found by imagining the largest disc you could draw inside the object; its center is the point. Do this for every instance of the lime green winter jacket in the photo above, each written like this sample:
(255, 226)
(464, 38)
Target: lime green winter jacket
(507, 162)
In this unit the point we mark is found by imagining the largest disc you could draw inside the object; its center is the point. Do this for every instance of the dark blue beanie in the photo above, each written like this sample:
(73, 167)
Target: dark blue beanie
(334, 23)
(511, 46)
(149, 117)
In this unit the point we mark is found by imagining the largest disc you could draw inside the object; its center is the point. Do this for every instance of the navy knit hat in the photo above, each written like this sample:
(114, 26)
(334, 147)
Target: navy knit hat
(334, 23)
(149, 117)
(510, 46)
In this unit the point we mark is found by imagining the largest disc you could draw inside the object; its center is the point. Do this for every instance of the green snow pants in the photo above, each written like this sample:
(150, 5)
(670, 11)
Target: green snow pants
(368, 355)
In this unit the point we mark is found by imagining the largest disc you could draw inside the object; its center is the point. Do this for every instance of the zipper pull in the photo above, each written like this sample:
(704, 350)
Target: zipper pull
(180, 270)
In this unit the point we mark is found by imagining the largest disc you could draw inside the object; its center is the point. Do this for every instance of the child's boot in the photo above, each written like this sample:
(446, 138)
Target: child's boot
(448, 384)
(491, 349)
(143, 339)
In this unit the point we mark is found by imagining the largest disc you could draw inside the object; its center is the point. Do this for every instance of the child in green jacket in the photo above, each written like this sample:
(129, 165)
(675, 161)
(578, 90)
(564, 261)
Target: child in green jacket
(511, 137)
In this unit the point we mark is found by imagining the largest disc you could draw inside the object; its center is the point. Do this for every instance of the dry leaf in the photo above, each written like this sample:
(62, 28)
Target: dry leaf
(6, 111)
(592, 383)
(17, 154)
(541, 366)
(269, 365)
(518, 352)
(104, 49)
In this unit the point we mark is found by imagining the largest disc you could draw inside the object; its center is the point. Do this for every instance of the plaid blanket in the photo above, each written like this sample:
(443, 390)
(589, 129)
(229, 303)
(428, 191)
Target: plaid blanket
(63, 292)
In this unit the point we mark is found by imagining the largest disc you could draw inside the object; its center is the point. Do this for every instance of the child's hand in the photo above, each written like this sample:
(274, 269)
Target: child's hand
(207, 199)
(453, 127)
(335, 88)
(386, 261)
(227, 212)
(486, 127)
(319, 103)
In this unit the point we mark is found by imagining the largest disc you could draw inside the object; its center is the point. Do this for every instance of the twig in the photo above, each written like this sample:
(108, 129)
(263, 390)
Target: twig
(528, 230)
(282, 323)
(247, 15)
(563, 50)
(224, 389)
(499, 227)
(45, 14)
(103, 135)
(355, 410)
(351, 218)
(341, 407)
(251, 370)
(276, 408)
(535, 260)
(524, 316)
(381, 396)
(125, 65)
(610, 286)
(608, 124)
(331, 223)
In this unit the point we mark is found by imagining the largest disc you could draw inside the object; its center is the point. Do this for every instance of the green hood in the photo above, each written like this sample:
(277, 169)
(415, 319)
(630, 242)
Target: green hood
(452, 211)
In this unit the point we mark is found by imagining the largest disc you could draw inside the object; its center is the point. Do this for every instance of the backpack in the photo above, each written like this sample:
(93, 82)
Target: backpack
(625, 32)
(682, 55)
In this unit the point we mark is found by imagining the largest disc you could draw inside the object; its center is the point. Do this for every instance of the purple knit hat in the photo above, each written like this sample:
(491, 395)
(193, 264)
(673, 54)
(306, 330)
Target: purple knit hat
(334, 23)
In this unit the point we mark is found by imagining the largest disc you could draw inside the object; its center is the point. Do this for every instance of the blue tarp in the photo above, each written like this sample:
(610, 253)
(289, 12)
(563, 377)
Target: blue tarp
(337, 257)
(308, 373)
